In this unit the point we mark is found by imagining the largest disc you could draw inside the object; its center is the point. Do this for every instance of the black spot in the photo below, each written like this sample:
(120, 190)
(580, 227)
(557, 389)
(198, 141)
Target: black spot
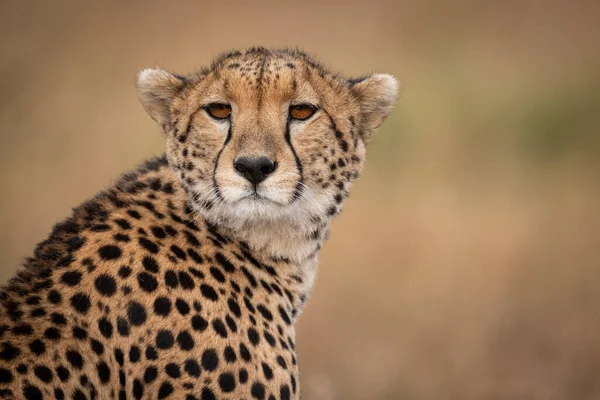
(229, 354)
(165, 390)
(158, 232)
(123, 224)
(197, 273)
(134, 354)
(121, 237)
(6, 376)
(192, 368)
(38, 312)
(58, 319)
(270, 339)
(171, 279)
(71, 278)
(249, 305)
(191, 239)
(234, 307)
(197, 306)
(173, 370)
(75, 243)
(33, 300)
(138, 389)
(105, 327)
(32, 393)
(195, 256)
(344, 145)
(257, 391)
(243, 376)
(217, 274)
(224, 262)
(164, 339)
(134, 214)
(150, 264)
(103, 372)
(9, 352)
(37, 347)
(81, 302)
(209, 292)
(106, 285)
(100, 228)
(148, 245)
(219, 327)
(75, 359)
(265, 312)
(245, 353)
(26, 329)
(97, 347)
(179, 253)
(150, 374)
(22, 369)
(109, 252)
(136, 313)
(182, 307)
(122, 326)
(231, 323)
(199, 324)
(162, 306)
(207, 394)
(250, 277)
(124, 272)
(253, 336)
(185, 341)
(79, 333)
(63, 373)
(284, 316)
(186, 280)
(284, 392)
(59, 394)
(147, 282)
(52, 334)
(210, 359)
(227, 382)
(267, 371)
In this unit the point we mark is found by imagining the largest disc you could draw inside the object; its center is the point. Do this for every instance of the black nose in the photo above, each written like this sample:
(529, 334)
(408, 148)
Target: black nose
(255, 169)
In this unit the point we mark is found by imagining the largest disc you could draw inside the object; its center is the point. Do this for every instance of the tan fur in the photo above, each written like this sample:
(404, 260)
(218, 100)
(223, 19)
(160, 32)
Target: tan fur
(184, 279)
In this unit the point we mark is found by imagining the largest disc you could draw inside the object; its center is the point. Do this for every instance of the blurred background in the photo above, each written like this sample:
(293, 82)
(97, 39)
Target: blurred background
(466, 264)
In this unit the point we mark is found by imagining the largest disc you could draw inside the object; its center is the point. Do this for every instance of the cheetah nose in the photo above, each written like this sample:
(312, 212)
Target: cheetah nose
(255, 169)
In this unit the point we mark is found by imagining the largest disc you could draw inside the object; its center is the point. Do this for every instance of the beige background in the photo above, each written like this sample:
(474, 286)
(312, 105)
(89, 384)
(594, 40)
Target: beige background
(466, 263)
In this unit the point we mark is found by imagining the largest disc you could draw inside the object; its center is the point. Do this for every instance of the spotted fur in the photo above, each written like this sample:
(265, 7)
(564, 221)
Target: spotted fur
(184, 280)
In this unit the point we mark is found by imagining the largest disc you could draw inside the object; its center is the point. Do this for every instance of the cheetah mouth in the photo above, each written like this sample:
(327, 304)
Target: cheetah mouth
(256, 197)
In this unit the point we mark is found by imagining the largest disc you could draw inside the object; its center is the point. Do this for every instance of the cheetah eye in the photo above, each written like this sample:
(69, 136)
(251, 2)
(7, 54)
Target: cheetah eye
(302, 112)
(218, 111)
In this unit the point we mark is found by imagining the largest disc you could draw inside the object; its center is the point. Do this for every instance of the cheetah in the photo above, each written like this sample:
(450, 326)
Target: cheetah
(184, 280)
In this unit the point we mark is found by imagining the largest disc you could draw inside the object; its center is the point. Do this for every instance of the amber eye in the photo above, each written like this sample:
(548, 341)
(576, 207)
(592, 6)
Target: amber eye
(218, 111)
(302, 111)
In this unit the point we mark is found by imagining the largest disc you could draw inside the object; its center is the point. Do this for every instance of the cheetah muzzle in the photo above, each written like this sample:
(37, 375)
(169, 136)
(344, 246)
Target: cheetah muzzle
(185, 278)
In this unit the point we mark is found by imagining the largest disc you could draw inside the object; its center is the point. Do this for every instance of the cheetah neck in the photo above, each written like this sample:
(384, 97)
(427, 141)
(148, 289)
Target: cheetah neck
(292, 250)
(276, 240)
(291, 245)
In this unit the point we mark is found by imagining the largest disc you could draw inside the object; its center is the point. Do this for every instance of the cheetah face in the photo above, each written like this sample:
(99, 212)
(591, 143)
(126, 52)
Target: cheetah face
(266, 135)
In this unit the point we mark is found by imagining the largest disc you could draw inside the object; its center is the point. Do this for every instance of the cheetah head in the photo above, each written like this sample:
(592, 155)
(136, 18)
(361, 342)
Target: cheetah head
(266, 137)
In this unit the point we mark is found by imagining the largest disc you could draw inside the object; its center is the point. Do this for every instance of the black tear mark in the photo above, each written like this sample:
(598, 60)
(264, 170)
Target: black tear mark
(288, 139)
(214, 177)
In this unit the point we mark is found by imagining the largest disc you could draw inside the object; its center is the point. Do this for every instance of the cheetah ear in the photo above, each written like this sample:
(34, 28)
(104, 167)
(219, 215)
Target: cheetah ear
(376, 95)
(156, 89)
